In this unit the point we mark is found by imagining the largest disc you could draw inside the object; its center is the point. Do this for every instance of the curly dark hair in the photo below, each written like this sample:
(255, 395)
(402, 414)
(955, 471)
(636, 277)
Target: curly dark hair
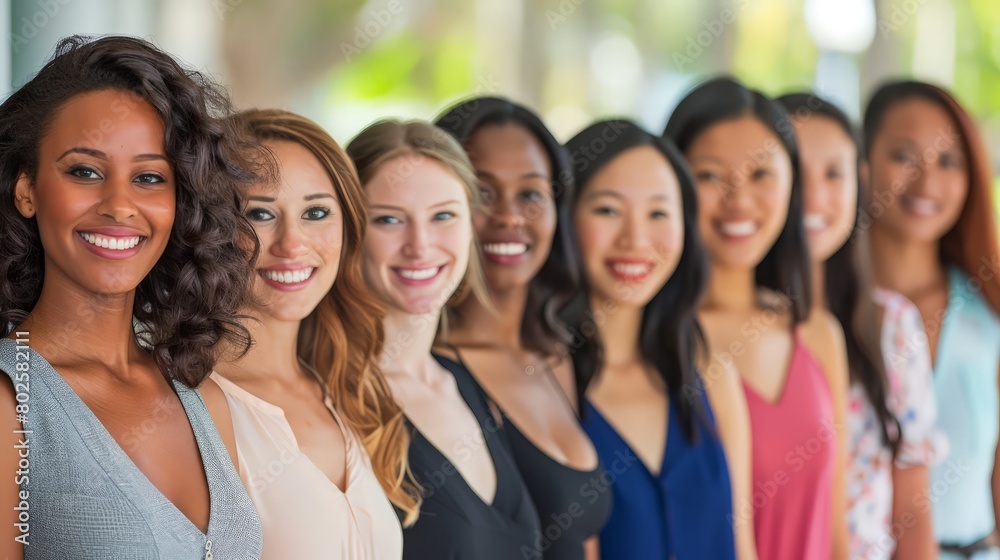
(553, 287)
(189, 302)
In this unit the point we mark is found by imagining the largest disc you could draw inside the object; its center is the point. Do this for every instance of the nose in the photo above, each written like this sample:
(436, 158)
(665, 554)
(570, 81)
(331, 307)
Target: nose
(116, 199)
(417, 241)
(634, 233)
(816, 195)
(506, 214)
(291, 241)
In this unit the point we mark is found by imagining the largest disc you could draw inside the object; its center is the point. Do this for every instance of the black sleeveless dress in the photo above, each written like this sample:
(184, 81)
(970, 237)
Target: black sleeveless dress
(455, 523)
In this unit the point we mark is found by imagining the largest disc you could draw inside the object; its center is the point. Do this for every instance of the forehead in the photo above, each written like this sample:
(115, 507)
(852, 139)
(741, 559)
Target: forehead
(737, 139)
(820, 132)
(301, 173)
(415, 182)
(508, 145)
(638, 172)
(118, 123)
(915, 117)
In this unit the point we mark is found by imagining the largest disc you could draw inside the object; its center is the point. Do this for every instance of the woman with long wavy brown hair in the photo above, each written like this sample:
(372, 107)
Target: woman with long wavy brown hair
(321, 441)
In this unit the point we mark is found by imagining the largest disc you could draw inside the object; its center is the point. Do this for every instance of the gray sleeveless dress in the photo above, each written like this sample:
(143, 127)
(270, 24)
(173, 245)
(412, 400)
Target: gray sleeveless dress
(88, 500)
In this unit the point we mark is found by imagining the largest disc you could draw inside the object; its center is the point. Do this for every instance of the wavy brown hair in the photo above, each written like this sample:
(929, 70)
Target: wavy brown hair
(343, 336)
(189, 302)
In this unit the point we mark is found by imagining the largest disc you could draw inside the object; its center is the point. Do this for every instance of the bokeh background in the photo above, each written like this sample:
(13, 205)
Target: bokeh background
(345, 63)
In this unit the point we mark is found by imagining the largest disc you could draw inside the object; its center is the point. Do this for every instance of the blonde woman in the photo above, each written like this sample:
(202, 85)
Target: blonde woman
(421, 256)
(321, 442)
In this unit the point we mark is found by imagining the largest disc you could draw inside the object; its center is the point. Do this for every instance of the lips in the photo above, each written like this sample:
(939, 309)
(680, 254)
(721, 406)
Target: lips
(505, 252)
(114, 245)
(287, 278)
(418, 276)
(737, 230)
(815, 222)
(630, 270)
(921, 207)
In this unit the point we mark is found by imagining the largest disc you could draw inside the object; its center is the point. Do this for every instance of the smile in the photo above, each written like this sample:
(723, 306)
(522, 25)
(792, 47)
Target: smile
(112, 243)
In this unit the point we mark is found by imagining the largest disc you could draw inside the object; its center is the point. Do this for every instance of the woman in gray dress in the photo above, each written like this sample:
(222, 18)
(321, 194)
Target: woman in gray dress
(123, 260)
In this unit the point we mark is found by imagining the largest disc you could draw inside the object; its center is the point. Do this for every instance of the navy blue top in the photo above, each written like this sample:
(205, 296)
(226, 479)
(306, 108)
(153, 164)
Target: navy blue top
(683, 513)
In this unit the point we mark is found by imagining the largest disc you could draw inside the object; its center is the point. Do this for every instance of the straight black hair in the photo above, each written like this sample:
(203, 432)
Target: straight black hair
(785, 268)
(552, 289)
(670, 336)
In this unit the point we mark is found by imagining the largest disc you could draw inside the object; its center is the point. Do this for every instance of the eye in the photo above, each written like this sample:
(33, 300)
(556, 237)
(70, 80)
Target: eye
(259, 215)
(387, 220)
(316, 213)
(533, 196)
(606, 211)
(150, 179)
(706, 176)
(760, 173)
(659, 214)
(84, 173)
(834, 174)
(442, 216)
(902, 156)
(948, 160)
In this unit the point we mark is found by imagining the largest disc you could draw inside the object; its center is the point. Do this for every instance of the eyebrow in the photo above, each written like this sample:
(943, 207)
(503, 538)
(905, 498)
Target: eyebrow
(404, 209)
(101, 155)
(306, 197)
(595, 194)
(709, 158)
(528, 175)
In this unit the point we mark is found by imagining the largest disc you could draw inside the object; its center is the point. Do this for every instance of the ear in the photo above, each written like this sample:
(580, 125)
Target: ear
(23, 196)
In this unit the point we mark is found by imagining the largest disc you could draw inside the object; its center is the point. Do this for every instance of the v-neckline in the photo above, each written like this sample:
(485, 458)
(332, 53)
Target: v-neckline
(951, 292)
(278, 412)
(488, 441)
(112, 447)
(789, 370)
(666, 447)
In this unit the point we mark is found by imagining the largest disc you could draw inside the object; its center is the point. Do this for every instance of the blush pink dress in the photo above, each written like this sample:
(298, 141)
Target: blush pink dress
(303, 513)
(794, 450)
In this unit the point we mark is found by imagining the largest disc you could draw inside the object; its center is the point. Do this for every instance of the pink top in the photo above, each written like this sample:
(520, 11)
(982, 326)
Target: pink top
(794, 447)
(303, 514)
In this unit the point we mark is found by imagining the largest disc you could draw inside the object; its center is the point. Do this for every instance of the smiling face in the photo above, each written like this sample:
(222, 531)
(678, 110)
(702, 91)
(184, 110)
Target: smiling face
(630, 226)
(419, 235)
(744, 178)
(518, 220)
(918, 170)
(300, 227)
(828, 158)
(104, 194)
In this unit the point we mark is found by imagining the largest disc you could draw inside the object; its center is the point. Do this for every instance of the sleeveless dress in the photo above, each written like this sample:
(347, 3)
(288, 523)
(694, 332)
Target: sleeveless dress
(89, 500)
(571, 506)
(684, 512)
(794, 449)
(455, 523)
(965, 383)
(911, 400)
(303, 513)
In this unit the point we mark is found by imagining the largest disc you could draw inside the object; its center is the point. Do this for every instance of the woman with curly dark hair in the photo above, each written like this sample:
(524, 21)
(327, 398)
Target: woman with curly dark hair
(308, 396)
(124, 263)
(525, 178)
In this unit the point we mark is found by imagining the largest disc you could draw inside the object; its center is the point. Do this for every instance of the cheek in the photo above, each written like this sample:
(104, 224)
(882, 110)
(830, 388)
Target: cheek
(160, 209)
(544, 225)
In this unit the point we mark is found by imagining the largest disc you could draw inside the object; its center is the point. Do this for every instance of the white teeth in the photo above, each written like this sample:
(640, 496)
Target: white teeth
(746, 227)
(923, 206)
(815, 221)
(288, 276)
(629, 269)
(114, 243)
(505, 248)
(419, 274)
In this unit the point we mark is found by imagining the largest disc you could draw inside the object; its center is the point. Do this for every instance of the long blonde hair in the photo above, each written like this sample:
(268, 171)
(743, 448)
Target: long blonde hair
(342, 338)
(387, 140)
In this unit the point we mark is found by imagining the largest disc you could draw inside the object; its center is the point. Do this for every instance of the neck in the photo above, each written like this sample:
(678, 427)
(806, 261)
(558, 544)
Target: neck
(69, 324)
(500, 327)
(273, 355)
(819, 286)
(905, 266)
(619, 331)
(408, 343)
(731, 289)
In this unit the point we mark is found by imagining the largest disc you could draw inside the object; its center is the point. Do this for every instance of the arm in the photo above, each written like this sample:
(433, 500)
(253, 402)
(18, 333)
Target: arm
(732, 420)
(825, 338)
(9, 489)
(916, 540)
(218, 408)
(591, 549)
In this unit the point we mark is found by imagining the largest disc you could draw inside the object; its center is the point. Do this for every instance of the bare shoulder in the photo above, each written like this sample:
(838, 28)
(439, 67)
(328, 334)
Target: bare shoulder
(722, 385)
(824, 337)
(218, 408)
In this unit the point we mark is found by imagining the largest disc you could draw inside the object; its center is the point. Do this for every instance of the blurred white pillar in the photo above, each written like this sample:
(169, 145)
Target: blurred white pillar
(841, 29)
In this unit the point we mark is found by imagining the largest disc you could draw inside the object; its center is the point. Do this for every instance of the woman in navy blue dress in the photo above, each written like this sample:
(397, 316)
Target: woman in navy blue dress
(647, 409)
